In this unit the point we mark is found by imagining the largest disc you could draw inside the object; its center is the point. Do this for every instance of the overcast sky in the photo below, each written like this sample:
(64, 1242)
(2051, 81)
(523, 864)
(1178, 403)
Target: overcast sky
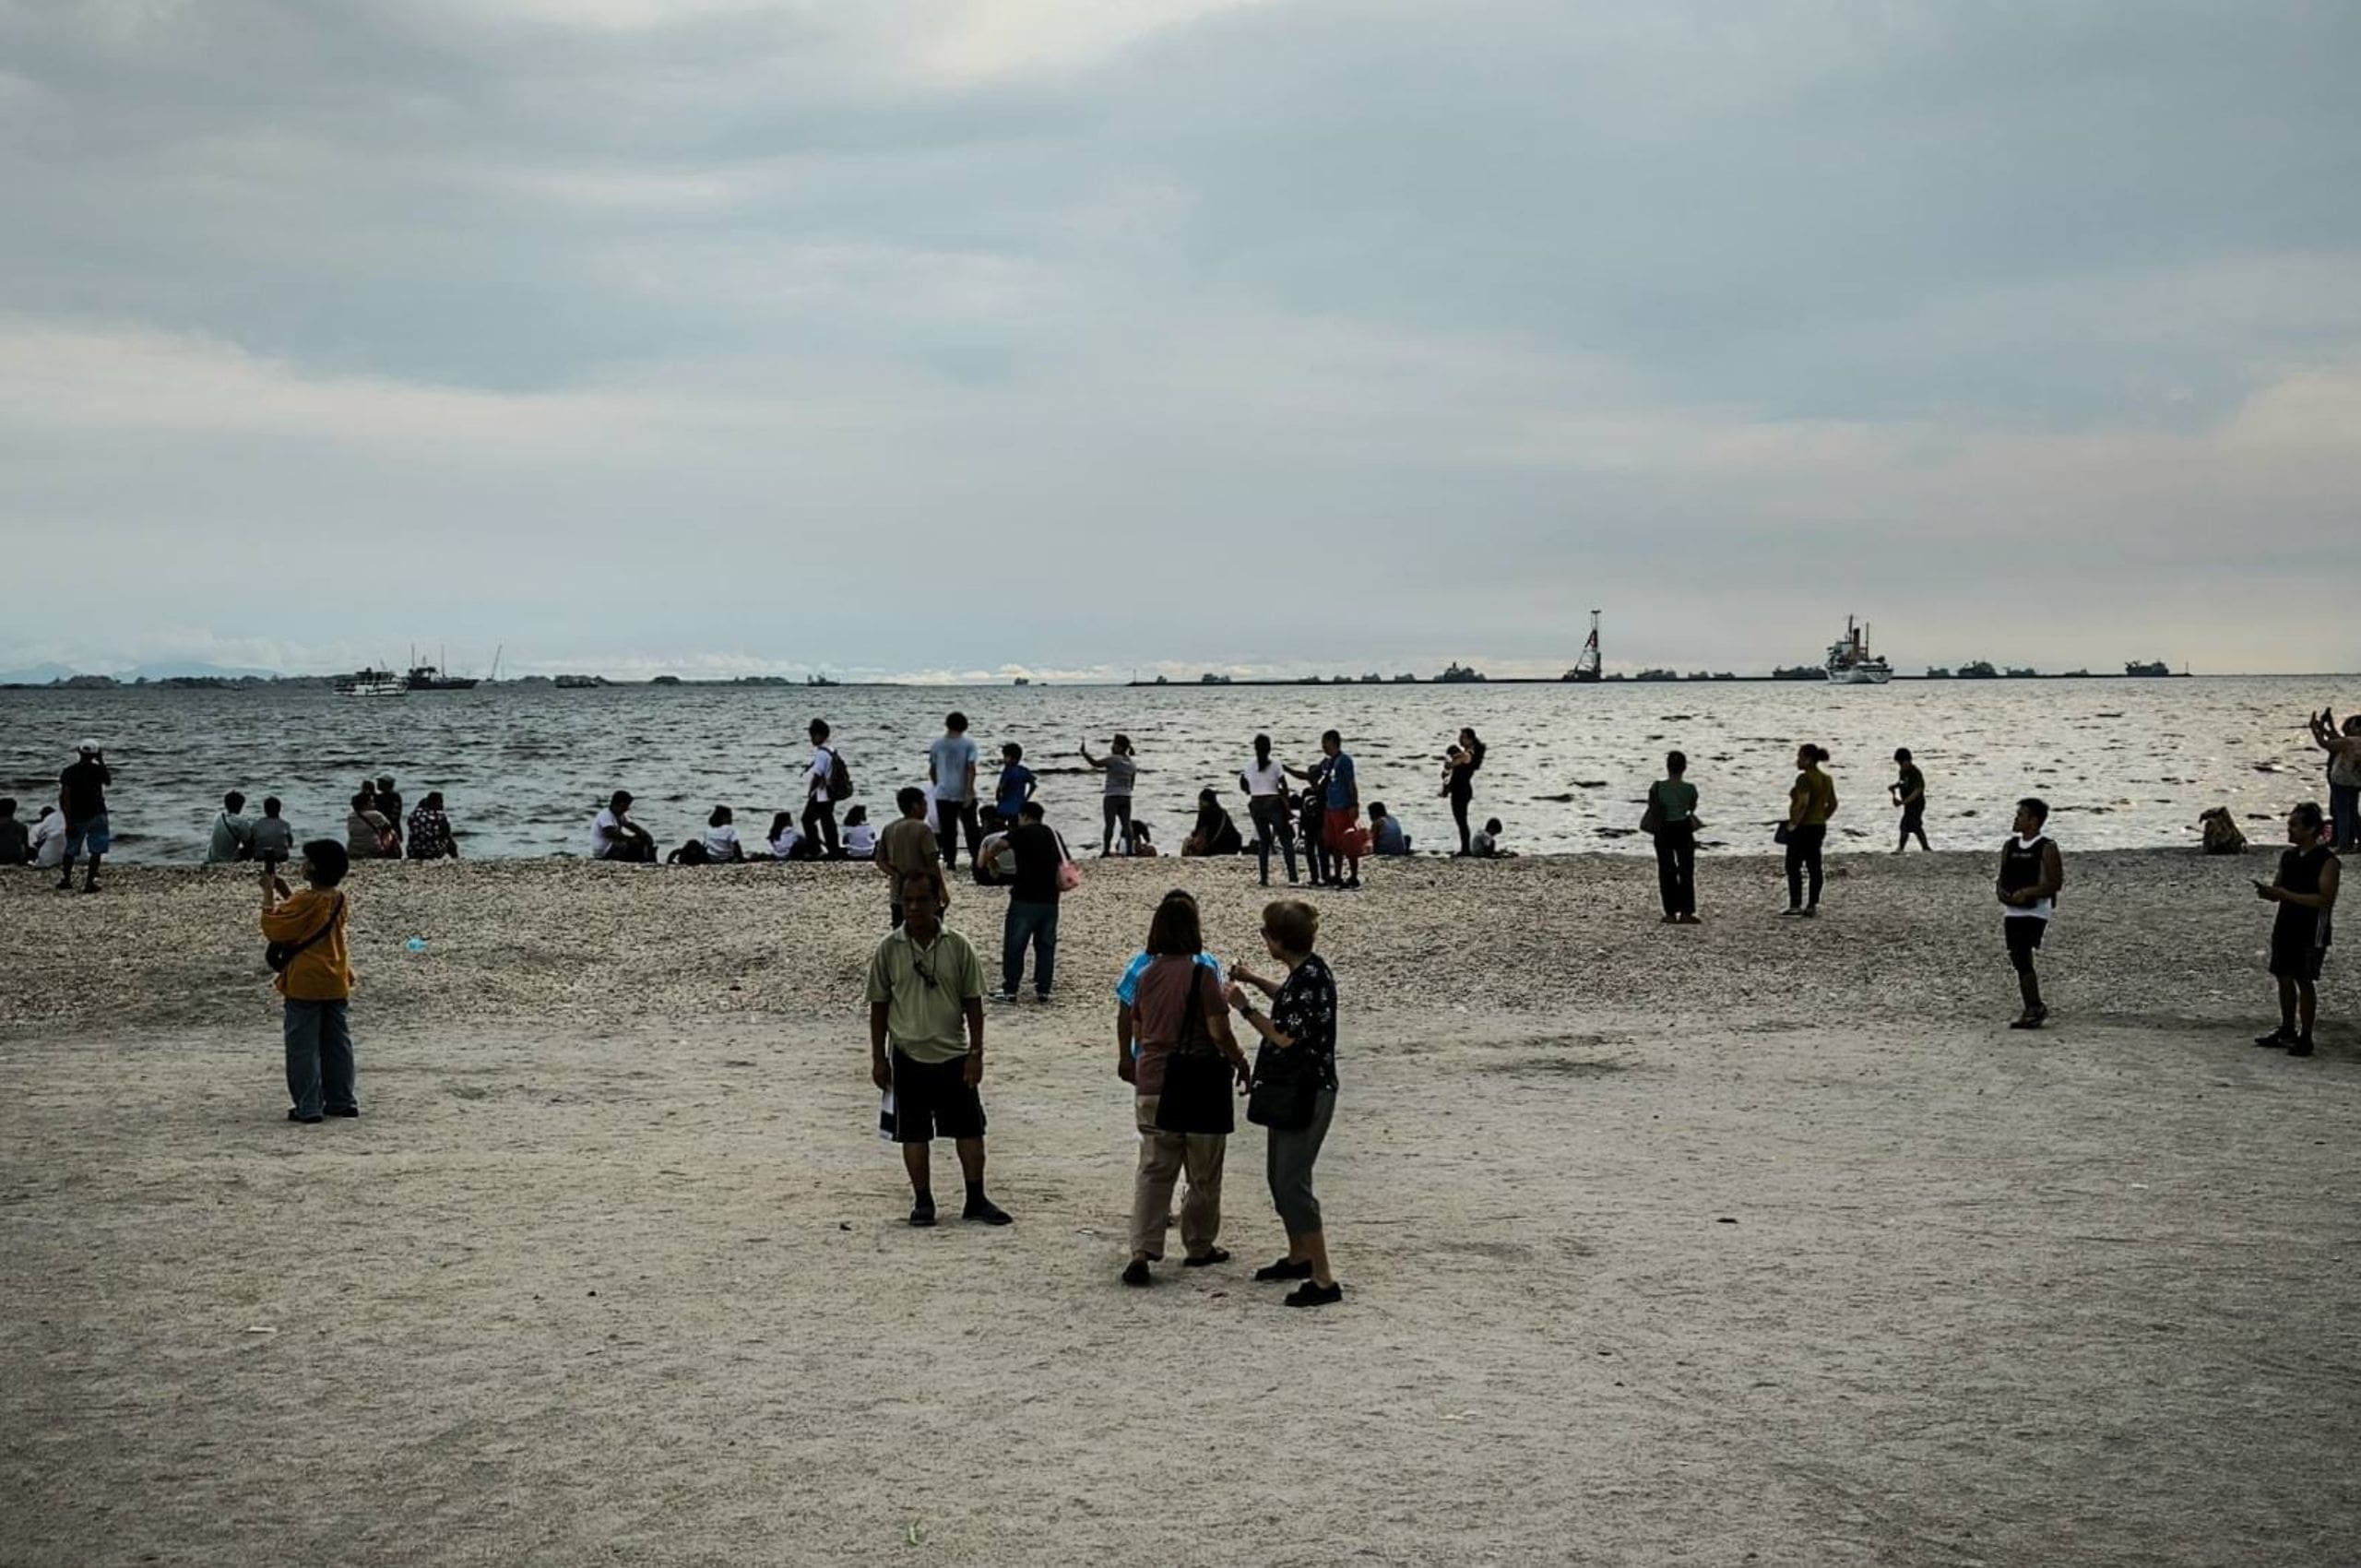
(1088, 335)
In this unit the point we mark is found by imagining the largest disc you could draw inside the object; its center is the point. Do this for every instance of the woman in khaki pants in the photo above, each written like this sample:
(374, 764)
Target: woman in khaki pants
(1173, 992)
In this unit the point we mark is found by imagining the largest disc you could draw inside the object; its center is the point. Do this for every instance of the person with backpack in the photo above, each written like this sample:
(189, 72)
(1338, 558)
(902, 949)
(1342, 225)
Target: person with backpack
(827, 782)
(306, 932)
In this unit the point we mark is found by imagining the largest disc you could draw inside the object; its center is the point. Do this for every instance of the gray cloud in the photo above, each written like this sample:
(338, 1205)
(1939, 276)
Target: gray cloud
(1264, 332)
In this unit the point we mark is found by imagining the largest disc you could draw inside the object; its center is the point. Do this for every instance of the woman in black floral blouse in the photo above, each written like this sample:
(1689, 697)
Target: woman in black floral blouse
(430, 830)
(1302, 1018)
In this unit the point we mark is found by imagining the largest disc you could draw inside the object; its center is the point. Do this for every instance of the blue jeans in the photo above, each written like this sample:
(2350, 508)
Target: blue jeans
(1037, 923)
(319, 1057)
(2345, 810)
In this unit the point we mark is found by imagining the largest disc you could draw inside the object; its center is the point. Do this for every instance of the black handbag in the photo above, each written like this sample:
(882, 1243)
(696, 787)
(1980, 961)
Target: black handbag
(1196, 1098)
(279, 955)
(1286, 1088)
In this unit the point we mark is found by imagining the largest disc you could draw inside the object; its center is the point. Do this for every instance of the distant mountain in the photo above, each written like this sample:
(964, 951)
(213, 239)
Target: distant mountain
(38, 675)
(42, 674)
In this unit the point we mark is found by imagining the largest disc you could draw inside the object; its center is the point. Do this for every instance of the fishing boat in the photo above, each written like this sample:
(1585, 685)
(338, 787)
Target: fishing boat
(369, 683)
(1587, 666)
(1850, 663)
(430, 678)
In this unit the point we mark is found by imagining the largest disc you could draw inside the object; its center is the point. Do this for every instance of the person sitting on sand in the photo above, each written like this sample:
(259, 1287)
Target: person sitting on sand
(907, 848)
(1216, 832)
(1486, 845)
(274, 835)
(388, 802)
(233, 833)
(614, 837)
(1143, 847)
(1121, 769)
(49, 839)
(924, 982)
(1909, 792)
(2032, 872)
(721, 845)
(860, 840)
(430, 830)
(1385, 833)
(1177, 1006)
(1811, 803)
(1299, 1049)
(367, 834)
(786, 840)
(2305, 891)
(316, 981)
(16, 837)
(2220, 832)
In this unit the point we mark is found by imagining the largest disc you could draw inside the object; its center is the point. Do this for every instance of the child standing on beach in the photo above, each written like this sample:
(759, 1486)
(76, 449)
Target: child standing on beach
(2032, 872)
(2305, 891)
(1909, 792)
(306, 934)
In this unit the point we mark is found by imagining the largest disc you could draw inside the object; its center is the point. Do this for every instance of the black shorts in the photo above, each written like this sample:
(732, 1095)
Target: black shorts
(2023, 935)
(2297, 960)
(933, 1099)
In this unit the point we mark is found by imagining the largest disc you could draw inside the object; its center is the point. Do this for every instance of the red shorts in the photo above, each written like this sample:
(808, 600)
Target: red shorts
(1342, 824)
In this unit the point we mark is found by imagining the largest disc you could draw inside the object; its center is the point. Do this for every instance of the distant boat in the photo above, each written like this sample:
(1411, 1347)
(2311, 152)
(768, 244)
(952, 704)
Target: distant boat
(369, 683)
(817, 681)
(2158, 668)
(579, 683)
(427, 677)
(1588, 666)
(1459, 674)
(1656, 675)
(1799, 672)
(1850, 663)
(1980, 670)
(1025, 679)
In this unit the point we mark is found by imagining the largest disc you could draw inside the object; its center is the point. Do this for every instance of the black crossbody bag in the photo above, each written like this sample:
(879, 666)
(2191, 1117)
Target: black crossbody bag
(279, 955)
(1196, 1096)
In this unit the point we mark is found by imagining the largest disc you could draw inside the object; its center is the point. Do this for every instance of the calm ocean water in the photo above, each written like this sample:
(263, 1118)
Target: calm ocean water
(2125, 763)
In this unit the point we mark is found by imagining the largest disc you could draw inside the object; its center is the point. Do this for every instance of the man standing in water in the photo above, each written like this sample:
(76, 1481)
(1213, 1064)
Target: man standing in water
(924, 982)
(1909, 791)
(82, 801)
(2306, 893)
(2031, 873)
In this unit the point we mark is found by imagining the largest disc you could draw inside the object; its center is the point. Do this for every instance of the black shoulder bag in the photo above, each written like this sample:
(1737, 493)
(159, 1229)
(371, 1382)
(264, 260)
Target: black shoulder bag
(1196, 1096)
(279, 955)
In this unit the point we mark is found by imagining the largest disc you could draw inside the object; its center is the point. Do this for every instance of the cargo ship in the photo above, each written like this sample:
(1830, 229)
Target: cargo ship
(1850, 663)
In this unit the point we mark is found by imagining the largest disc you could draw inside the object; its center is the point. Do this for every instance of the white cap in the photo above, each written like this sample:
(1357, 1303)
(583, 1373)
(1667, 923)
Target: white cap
(89, 748)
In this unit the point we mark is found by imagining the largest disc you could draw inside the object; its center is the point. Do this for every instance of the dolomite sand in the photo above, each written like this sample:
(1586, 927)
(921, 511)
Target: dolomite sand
(1762, 1242)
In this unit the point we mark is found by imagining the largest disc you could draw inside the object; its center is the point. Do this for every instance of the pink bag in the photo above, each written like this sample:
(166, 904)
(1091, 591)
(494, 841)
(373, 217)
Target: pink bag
(1069, 873)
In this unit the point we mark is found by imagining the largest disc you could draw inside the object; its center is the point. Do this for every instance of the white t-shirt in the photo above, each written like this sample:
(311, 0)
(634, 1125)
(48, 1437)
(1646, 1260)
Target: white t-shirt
(783, 847)
(603, 834)
(822, 768)
(49, 841)
(861, 842)
(721, 843)
(951, 757)
(1268, 779)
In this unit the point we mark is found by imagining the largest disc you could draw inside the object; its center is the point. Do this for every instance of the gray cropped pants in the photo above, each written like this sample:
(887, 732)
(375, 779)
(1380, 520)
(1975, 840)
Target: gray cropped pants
(1292, 1156)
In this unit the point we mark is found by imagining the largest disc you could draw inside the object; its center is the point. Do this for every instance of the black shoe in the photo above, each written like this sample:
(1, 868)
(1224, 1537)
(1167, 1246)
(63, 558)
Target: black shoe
(2300, 1045)
(1309, 1295)
(344, 1110)
(1354, 885)
(298, 1116)
(1211, 1256)
(1135, 1273)
(2030, 1020)
(89, 887)
(1286, 1268)
(66, 886)
(985, 1212)
(922, 1214)
(2274, 1040)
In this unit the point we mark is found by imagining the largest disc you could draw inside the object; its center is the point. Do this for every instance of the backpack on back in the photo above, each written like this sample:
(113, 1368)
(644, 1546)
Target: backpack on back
(839, 777)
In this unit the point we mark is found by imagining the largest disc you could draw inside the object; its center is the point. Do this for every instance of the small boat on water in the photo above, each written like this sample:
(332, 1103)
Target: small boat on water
(369, 683)
(1850, 663)
(427, 677)
(1588, 667)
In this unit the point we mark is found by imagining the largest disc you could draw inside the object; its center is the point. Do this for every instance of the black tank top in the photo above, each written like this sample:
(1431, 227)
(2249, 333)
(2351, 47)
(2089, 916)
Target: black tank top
(2299, 872)
(2021, 864)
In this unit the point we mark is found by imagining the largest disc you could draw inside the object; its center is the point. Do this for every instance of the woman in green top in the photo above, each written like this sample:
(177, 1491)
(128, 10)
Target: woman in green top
(1810, 804)
(1672, 808)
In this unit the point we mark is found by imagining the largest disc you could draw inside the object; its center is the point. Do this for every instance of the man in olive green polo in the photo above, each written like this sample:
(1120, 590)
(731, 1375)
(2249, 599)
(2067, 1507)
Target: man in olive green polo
(925, 984)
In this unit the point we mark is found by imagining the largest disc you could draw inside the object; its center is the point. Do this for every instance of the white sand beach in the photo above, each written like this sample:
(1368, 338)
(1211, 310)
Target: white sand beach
(1758, 1242)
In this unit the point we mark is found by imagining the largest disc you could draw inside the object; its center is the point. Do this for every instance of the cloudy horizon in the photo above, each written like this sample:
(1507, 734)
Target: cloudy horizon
(1048, 338)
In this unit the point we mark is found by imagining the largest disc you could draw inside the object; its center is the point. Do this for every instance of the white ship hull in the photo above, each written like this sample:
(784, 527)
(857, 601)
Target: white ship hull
(1861, 675)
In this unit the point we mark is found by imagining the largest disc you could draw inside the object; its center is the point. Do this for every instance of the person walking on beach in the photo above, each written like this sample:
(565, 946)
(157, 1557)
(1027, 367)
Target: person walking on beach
(2344, 748)
(233, 833)
(1178, 1012)
(1811, 803)
(1121, 769)
(826, 781)
(614, 837)
(924, 984)
(1265, 783)
(1296, 1067)
(430, 830)
(907, 848)
(82, 802)
(274, 835)
(1016, 783)
(1909, 792)
(2305, 891)
(951, 770)
(1459, 782)
(1032, 903)
(2032, 872)
(1671, 818)
(306, 932)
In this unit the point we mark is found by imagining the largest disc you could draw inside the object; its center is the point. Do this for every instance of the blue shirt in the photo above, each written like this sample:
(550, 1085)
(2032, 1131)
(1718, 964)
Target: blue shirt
(1015, 781)
(1340, 782)
(1127, 990)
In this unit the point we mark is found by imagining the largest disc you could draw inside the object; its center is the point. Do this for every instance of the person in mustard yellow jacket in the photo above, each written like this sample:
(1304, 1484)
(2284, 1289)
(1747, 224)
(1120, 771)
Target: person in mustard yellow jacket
(317, 981)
